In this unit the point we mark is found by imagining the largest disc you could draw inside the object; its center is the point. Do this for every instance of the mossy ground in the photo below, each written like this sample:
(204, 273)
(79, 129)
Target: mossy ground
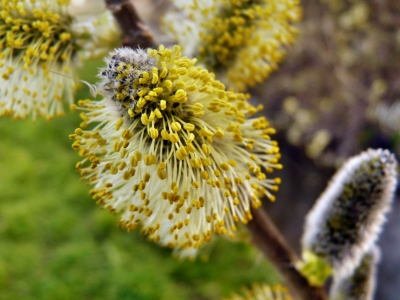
(56, 243)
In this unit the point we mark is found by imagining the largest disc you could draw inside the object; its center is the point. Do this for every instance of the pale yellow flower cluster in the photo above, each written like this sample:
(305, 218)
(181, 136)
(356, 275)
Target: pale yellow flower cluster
(39, 42)
(35, 37)
(242, 41)
(172, 151)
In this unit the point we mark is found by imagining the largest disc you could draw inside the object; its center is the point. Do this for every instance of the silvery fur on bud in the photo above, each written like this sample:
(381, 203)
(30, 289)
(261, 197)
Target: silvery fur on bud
(347, 218)
(361, 284)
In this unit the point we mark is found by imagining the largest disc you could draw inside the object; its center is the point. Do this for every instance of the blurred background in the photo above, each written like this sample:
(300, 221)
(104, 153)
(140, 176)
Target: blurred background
(336, 93)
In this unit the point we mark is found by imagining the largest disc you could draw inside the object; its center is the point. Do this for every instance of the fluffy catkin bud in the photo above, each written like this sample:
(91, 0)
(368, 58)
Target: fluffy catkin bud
(347, 218)
(361, 284)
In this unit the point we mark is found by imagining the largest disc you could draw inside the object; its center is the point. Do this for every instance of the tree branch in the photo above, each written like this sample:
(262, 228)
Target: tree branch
(135, 32)
(267, 238)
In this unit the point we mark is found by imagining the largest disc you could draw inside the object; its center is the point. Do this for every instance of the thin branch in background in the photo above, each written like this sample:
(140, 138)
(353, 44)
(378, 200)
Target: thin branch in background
(135, 32)
(267, 238)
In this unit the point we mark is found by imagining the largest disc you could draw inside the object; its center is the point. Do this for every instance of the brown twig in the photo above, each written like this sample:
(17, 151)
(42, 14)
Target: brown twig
(135, 32)
(267, 238)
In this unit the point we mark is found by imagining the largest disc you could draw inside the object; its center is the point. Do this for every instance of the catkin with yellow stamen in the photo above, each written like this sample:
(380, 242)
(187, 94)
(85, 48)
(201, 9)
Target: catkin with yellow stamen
(39, 46)
(203, 178)
(243, 41)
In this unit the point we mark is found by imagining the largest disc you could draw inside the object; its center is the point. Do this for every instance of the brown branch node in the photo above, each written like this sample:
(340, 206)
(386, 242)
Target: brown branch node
(135, 32)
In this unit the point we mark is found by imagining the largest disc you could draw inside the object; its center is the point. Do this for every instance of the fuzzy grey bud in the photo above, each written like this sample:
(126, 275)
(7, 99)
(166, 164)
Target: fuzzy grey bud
(361, 284)
(347, 218)
(126, 78)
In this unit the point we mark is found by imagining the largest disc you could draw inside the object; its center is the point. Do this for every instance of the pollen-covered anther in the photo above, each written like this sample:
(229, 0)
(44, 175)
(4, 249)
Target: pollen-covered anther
(175, 126)
(195, 163)
(153, 133)
(180, 96)
(189, 140)
(206, 149)
(188, 126)
(181, 153)
(163, 105)
(150, 159)
(198, 110)
(144, 118)
(224, 166)
(164, 134)
(174, 138)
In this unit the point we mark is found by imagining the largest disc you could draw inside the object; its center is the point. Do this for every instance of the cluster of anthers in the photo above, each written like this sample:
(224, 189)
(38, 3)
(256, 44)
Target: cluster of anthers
(35, 37)
(172, 150)
(243, 40)
(41, 44)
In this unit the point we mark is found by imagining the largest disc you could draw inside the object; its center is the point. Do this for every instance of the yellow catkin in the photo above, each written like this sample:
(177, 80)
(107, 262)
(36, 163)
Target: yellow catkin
(164, 148)
(244, 41)
(38, 56)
